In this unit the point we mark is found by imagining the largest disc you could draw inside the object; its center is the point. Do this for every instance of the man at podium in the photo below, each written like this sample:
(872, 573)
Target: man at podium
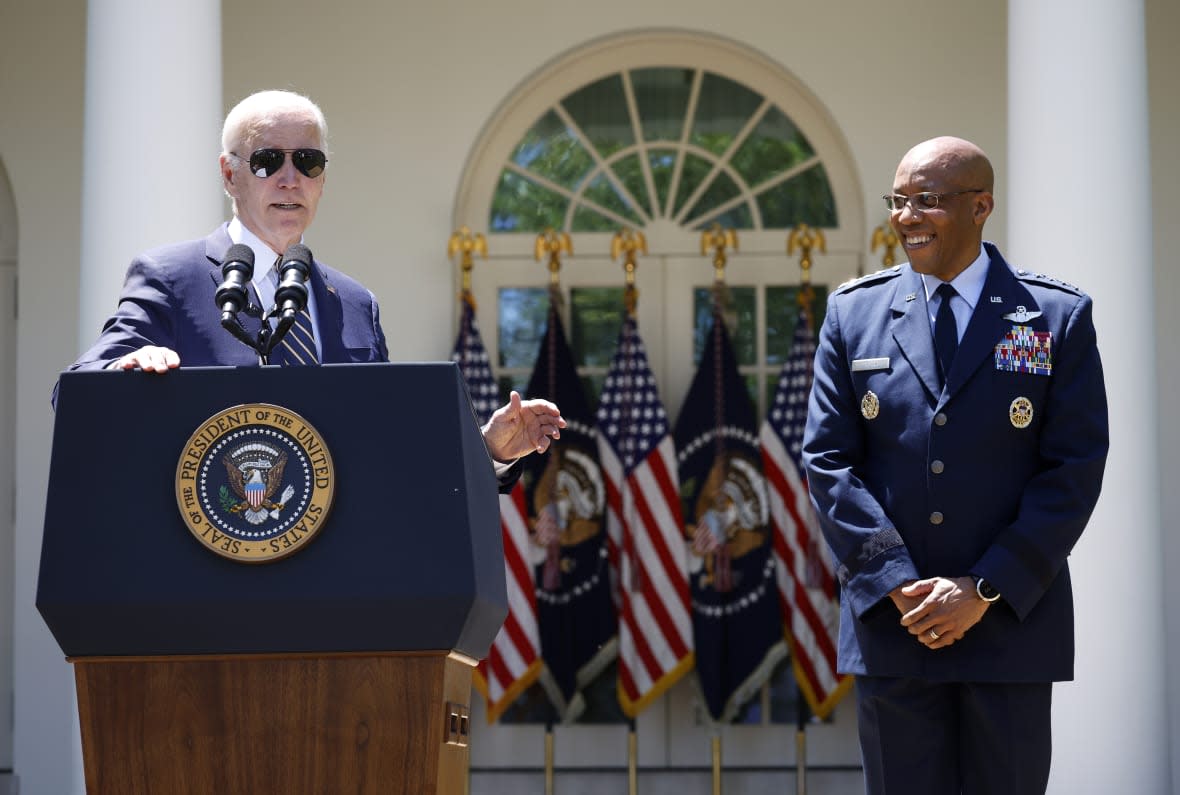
(273, 163)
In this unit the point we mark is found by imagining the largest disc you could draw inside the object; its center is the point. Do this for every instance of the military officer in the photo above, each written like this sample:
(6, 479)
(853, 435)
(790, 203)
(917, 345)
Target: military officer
(955, 445)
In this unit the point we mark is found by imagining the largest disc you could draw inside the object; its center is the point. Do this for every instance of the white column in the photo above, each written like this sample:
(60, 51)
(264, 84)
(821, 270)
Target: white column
(1079, 190)
(152, 136)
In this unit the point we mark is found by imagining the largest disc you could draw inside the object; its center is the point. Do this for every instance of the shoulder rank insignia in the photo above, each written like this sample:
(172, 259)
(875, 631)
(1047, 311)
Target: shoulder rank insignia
(1025, 351)
(858, 281)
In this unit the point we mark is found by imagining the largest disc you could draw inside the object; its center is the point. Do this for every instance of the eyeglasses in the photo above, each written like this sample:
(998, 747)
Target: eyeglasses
(264, 162)
(921, 201)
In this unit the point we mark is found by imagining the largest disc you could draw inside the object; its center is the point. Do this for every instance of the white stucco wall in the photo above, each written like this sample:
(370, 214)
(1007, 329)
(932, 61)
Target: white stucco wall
(406, 90)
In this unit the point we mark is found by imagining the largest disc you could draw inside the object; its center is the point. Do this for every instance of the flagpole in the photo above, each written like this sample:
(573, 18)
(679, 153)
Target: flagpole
(632, 759)
(549, 758)
(802, 715)
(717, 763)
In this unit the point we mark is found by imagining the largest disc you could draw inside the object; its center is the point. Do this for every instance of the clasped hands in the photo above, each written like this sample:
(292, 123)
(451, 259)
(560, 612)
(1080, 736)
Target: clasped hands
(938, 611)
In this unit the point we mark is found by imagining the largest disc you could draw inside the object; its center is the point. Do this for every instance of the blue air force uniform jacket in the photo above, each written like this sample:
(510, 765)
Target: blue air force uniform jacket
(994, 475)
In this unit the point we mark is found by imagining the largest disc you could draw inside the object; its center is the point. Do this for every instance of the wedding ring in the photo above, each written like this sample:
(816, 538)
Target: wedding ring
(933, 635)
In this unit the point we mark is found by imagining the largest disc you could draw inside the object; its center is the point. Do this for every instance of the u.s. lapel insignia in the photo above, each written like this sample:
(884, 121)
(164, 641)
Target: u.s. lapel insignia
(1021, 315)
(1021, 412)
(870, 407)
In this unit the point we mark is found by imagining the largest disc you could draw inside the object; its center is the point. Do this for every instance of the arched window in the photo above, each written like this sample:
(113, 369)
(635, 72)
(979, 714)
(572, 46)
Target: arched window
(668, 133)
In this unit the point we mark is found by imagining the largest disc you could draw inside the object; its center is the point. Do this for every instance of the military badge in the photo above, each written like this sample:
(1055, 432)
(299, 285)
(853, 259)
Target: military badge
(1021, 315)
(1021, 412)
(870, 407)
(255, 483)
(1025, 351)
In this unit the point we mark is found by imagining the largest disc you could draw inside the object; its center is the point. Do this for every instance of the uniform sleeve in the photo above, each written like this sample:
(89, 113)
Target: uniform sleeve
(1026, 556)
(871, 557)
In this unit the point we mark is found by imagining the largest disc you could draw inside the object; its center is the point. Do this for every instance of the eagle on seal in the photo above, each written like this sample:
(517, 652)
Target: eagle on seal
(256, 488)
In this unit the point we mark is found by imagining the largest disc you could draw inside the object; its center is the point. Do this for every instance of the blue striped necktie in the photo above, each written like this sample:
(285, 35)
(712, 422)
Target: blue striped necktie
(297, 347)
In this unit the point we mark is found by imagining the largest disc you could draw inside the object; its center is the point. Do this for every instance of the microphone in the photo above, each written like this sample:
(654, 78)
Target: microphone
(291, 295)
(237, 269)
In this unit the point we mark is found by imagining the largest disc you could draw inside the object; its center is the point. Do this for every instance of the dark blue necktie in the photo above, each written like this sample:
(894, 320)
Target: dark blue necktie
(946, 331)
(297, 347)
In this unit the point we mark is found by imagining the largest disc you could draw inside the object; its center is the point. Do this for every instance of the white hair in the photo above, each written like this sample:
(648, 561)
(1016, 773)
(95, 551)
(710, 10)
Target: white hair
(257, 111)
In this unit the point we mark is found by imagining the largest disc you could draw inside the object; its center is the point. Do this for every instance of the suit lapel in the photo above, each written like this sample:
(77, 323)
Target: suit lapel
(911, 330)
(330, 316)
(1002, 293)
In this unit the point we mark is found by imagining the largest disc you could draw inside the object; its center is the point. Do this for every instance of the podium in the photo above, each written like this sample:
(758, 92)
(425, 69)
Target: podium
(343, 666)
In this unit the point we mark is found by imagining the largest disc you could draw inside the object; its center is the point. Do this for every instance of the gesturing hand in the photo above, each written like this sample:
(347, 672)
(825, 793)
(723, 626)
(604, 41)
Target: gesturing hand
(521, 427)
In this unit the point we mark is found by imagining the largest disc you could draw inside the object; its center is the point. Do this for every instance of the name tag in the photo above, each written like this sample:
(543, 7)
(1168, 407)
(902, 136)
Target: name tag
(881, 363)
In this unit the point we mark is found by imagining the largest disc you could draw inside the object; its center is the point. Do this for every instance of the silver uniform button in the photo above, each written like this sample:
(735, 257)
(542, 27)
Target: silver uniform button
(936, 467)
(936, 517)
(940, 419)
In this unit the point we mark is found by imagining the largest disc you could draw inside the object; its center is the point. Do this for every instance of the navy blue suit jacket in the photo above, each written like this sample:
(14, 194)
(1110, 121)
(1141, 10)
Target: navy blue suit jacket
(942, 482)
(167, 300)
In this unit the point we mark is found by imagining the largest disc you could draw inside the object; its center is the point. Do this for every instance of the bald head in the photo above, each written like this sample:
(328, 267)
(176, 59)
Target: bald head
(960, 162)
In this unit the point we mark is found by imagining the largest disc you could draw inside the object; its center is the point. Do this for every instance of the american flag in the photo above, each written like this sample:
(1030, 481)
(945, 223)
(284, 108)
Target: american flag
(514, 661)
(806, 585)
(644, 527)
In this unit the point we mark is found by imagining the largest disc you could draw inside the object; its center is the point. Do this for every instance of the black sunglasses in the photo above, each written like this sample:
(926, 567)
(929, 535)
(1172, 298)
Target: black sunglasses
(264, 162)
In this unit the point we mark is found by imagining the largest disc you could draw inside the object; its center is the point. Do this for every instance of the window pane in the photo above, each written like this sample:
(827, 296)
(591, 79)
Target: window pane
(804, 198)
(630, 173)
(741, 306)
(739, 217)
(600, 109)
(523, 312)
(596, 314)
(720, 190)
(554, 152)
(521, 205)
(662, 162)
(692, 172)
(782, 309)
(603, 193)
(774, 146)
(722, 111)
(662, 97)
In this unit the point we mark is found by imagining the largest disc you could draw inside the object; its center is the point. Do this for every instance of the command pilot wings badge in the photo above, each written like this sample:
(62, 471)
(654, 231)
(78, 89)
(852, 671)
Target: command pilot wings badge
(255, 483)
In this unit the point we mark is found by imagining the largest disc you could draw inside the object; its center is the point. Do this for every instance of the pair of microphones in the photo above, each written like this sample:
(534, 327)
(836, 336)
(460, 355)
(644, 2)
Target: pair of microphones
(232, 297)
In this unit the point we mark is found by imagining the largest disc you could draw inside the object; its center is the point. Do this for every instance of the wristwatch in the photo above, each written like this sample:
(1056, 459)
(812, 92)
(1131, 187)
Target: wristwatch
(985, 590)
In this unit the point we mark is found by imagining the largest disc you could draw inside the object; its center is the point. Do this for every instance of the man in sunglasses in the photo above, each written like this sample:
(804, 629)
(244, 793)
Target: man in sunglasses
(272, 163)
(955, 444)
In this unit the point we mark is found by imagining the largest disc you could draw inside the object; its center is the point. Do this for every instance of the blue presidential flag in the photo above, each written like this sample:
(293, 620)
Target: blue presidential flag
(566, 498)
(735, 613)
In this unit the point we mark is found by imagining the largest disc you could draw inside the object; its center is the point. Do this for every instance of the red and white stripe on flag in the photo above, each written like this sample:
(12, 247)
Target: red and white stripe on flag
(514, 661)
(806, 584)
(644, 528)
(806, 581)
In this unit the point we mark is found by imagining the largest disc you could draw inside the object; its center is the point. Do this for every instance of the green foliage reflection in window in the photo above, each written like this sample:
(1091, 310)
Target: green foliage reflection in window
(728, 154)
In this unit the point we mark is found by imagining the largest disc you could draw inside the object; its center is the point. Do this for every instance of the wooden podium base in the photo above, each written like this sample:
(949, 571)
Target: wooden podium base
(294, 724)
